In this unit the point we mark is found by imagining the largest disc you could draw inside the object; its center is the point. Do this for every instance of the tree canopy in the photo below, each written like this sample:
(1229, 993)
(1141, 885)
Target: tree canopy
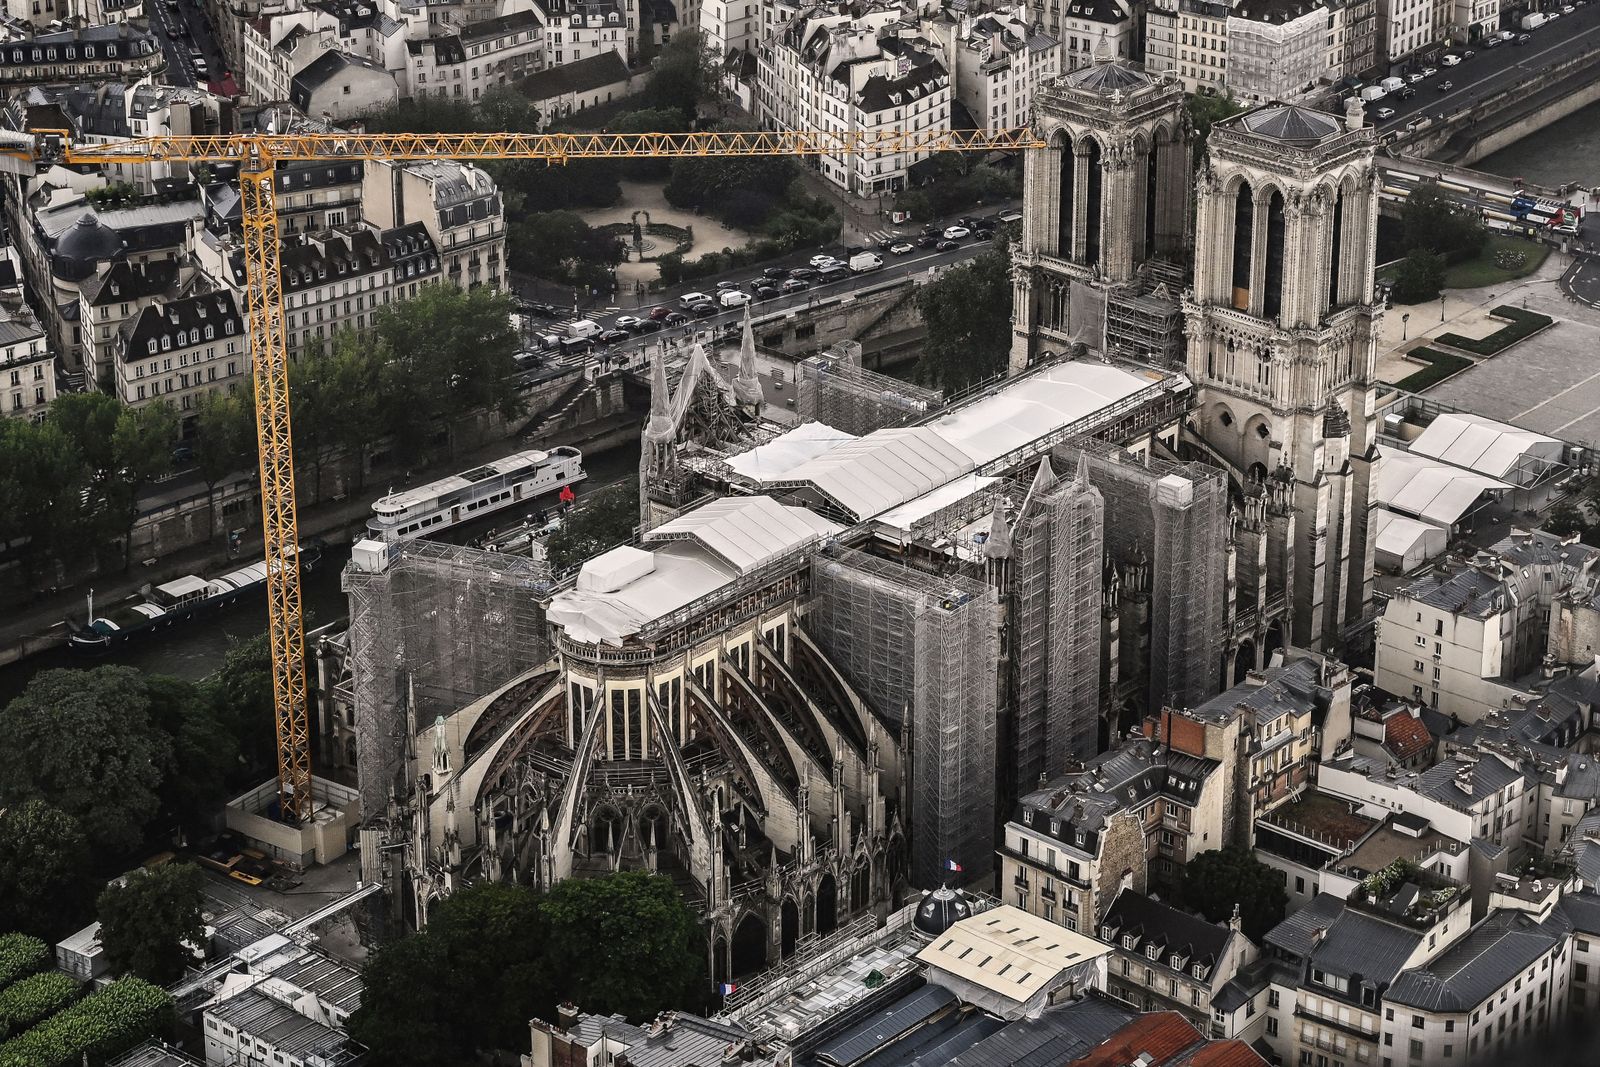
(1205, 111)
(968, 315)
(493, 955)
(599, 521)
(1214, 882)
(1419, 278)
(560, 246)
(43, 863)
(148, 922)
(1433, 222)
(83, 742)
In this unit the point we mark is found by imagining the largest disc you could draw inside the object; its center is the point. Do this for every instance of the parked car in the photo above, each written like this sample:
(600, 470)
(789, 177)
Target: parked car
(1468, 53)
(956, 233)
(902, 248)
(820, 262)
(1446, 85)
(734, 298)
(1383, 114)
(946, 246)
(660, 313)
(1414, 77)
(703, 309)
(802, 272)
(1407, 92)
(1522, 38)
(928, 240)
(1428, 72)
(675, 318)
(628, 322)
(832, 273)
(611, 337)
(774, 272)
(764, 292)
(1451, 61)
(794, 285)
(984, 234)
(725, 286)
(688, 300)
(650, 326)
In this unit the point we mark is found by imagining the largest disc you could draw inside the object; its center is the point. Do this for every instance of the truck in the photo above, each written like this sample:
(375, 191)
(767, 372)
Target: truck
(1373, 92)
(1534, 21)
(1391, 85)
(865, 261)
(583, 329)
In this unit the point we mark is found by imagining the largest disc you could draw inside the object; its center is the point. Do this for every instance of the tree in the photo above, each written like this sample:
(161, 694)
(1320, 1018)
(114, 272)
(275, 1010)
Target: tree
(83, 742)
(141, 451)
(43, 863)
(560, 246)
(42, 478)
(204, 751)
(149, 922)
(624, 943)
(686, 73)
(240, 694)
(601, 520)
(1205, 111)
(1215, 882)
(1433, 222)
(452, 355)
(470, 980)
(350, 378)
(1565, 520)
(224, 442)
(1419, 277)
(968, 316)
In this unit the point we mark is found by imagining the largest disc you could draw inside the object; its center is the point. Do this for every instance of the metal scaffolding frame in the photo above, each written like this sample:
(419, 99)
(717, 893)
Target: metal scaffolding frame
(837, 392)
(924, 649)
(1170, 520)
(432, 628)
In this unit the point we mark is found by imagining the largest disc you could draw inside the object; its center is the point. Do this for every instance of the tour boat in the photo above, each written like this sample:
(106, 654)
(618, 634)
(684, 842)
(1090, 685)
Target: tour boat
(516, 479)
(182, 599)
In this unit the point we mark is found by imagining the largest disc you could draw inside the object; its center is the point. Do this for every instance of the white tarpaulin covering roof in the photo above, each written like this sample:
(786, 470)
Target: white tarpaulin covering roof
(886, 468)
(745, 532)
(683, 571)
(1486, 446)
(1009, 954)
(1428, 489)
(1405, 543)
(912, 512)
(1037, 405)
(779, 456)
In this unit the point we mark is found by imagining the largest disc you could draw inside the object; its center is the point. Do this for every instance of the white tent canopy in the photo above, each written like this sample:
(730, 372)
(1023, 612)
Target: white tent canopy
(1427, 489)
(1404, 544)
(1496, 449)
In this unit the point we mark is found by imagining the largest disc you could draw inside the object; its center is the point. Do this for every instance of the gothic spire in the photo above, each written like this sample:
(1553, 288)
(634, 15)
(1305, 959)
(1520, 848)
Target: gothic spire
(660, 425)
(747, 385)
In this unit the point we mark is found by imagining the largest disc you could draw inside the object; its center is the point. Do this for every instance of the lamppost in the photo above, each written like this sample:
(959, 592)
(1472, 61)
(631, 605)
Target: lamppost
(1405, 325)
(1441, 307)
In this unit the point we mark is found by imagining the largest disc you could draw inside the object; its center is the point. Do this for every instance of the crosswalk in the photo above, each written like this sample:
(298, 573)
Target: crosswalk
(878, 236)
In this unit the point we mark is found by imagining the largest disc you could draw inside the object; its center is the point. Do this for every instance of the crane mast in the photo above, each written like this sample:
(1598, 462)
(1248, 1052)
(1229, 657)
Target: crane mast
(257, 156)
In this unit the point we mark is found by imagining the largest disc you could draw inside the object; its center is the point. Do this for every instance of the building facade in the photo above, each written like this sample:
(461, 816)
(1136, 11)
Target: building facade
(177, 351)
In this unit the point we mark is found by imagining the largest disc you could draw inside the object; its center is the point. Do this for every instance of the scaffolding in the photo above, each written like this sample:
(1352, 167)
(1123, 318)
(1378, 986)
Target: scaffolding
(432, 628)
(1168, 523)
(1144, 320)
(924, 649)
(835, 390)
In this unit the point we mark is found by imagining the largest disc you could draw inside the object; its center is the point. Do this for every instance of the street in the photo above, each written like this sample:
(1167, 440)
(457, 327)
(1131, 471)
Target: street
(183, 30)
(919, 261)
(1494, 69)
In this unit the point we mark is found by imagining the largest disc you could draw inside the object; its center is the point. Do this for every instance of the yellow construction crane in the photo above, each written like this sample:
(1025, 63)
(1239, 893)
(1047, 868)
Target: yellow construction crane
(257, 156)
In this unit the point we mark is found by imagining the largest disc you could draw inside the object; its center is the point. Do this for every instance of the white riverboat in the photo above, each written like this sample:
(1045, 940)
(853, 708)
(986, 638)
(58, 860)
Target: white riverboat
(519, 478)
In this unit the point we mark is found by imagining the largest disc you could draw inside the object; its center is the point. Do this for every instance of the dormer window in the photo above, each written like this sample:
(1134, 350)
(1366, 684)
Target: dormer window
(152, 346)
(1150, 952)
(1199, 971)
(114, 289)
(1177, 962)
(166, 342)
(209, 332)
(1127, 941)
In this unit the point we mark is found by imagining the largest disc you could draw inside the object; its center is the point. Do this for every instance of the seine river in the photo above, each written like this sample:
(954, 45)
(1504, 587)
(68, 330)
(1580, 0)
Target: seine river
(1565, 151)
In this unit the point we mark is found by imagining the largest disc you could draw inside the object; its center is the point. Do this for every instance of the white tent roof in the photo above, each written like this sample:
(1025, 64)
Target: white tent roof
(771, 461)
(1039, 404)
(1399, 535)
(745, 532)
(1428, 489)
(1481, 444)
(883, 469)
(691, 557)
(910, 513)
(1009, 952)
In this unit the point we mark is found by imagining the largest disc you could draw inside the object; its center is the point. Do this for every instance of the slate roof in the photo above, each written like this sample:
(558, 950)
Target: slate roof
(126, 281)
(1116, 76)
(1107, 11)
(1586, 849)
(1296, 934)
(1479, 965)
(489, 29)
(879, 93)
(1114, 781)
(1292, 688)
(324, 69)
(1582, 911)
(1483, 778)
(1056, 1037)
(1359, 944)
(886, 1026)
(607, 68)
(188, 315)
(1174, 932)
(1290, 123)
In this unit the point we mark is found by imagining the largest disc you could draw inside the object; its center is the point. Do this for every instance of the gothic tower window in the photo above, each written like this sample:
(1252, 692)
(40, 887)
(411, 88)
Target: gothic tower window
(1272, 299)
(1091, 203)
(1068, 188)
(1336, 249)
(1152, 160)
(1244, 239)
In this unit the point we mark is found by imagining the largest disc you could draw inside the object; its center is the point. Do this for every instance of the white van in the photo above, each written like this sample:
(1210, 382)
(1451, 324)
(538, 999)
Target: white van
(584, 328)
(1392, 85)
(689, 300)
(733, 298)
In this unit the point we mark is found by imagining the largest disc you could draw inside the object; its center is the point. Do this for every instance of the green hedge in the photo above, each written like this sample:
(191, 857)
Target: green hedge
(1523, 324)
(98, 1027)
(1441, 365)
(26, 1002)
(20, 956)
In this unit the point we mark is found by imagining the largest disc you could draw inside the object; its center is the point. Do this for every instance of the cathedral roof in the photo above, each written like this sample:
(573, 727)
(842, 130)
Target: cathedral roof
(1115, 76)
(1290, 122)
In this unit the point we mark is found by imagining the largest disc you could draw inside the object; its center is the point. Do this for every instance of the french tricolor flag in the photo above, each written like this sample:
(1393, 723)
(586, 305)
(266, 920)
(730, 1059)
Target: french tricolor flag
(726, 988)
(952, 865)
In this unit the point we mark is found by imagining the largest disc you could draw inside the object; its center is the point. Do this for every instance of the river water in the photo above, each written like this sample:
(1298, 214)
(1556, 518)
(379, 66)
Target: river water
(196, 651)
(1565, 151)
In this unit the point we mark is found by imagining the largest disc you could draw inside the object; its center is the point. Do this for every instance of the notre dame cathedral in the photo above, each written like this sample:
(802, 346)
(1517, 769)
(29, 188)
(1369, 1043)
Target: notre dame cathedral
(1265, 300)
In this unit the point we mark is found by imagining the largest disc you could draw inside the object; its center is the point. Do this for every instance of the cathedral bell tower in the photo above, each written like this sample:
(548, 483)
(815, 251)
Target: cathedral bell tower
(1106, 197)
(1280, 324)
